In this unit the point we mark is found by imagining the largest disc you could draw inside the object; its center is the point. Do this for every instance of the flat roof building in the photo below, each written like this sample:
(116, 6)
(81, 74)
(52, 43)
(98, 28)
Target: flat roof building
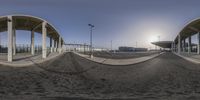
(131, 49)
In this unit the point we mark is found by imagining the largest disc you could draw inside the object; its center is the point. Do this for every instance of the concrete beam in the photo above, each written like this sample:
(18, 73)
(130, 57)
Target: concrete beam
(194, 29)
(44, 35)
(32, 43)
(10, 38)
(36, 27)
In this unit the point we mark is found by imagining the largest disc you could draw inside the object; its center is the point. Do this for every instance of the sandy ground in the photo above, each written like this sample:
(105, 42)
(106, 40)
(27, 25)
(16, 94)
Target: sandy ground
(69, 76)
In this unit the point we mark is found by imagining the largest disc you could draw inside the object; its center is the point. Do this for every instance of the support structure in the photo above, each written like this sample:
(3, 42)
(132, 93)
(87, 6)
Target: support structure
(183, 45)
(179, 44)
(189, 44)
(198, 46)
(10, 39)
(55, 46)
(32, 43)
(51, 46)
(59, 45)
(44, 34)
(14, 41)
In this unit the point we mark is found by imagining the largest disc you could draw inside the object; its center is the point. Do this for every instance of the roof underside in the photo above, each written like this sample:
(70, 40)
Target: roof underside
(190, 29)
(29, 23)
(163, 44)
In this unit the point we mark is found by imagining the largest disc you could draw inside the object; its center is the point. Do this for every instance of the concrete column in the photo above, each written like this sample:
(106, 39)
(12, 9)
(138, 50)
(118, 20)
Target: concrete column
(189, 44)
(10, 38)
(32, 43)
(84, 48)
(14, 41)
(179, 44)
(59, 45)
(44, 35)
(55, 46)
(175, 47)
(183, 45)
(51, 46)
(172, 47)
(198, 46)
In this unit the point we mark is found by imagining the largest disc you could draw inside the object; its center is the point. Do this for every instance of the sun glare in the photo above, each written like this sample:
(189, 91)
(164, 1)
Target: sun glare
(153, 38)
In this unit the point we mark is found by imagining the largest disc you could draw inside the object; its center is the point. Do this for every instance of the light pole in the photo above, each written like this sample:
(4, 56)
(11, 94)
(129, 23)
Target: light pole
(111, 45)
(159, 40)
(91, 49)
(136, 44)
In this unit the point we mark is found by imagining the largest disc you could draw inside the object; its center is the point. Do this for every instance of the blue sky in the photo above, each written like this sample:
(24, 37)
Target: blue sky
(125, 22)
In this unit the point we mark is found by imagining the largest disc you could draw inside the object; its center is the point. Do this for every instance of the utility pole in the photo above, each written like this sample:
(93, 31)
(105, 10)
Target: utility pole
(91, 48)
(159, 38)
(111, 46)
(136, 44)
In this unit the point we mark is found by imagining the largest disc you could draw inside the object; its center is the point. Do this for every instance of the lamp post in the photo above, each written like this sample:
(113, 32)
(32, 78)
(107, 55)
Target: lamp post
(91, 49)
(111, 46)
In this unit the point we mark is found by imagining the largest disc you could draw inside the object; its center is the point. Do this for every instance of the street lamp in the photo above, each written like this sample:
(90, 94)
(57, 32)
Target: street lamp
(91, 49)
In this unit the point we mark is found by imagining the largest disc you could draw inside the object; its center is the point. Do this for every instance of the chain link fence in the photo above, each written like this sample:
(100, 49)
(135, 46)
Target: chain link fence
(23, 48)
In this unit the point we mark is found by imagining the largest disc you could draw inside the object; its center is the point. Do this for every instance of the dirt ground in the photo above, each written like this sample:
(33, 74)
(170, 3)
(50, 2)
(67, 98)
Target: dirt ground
(69, 76)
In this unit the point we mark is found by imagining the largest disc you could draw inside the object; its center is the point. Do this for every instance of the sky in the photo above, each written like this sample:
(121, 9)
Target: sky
(124, 22)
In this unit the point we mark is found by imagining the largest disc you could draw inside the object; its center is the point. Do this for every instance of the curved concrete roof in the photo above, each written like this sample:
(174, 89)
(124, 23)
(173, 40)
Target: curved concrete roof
(163, 44)
(189, 29)
(29, 23)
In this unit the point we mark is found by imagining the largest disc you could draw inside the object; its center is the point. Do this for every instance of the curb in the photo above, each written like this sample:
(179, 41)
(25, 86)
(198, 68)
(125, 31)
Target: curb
(114, 64)
(193, 60)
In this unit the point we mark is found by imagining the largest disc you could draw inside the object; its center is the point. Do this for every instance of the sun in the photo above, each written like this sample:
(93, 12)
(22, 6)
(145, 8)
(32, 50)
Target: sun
(153, 38)
(153, 35)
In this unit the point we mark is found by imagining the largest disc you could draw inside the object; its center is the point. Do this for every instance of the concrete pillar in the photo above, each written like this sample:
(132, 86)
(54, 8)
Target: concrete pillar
(179, 44)
(183, 45)
(59, 45)
(55, 46)
(44, 35)
(175, 47)
(51, 46)
(189, 44)
(32, 43)
(10, 38)
(172, 47)
(14, 41)
(198, 46)
(84, 48)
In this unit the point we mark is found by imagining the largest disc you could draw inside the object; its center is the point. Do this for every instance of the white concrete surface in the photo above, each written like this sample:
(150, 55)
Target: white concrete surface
(32, 43)
(21, 60)
(44, 35)
(10, 39)
(194, 58)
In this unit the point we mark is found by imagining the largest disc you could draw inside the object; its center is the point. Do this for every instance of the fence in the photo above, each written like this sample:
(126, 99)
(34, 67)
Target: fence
(23, 48)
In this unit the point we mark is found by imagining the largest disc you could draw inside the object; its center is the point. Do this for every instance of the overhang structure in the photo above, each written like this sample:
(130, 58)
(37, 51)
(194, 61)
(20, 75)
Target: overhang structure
(11, 23)
(190, 29)
(163, 44)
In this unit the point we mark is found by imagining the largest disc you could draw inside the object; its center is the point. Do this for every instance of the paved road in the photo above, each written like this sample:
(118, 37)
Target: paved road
(167, 77)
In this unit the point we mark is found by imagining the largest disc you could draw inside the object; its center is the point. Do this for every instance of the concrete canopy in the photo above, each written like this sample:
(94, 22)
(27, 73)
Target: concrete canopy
(189, 29)
(163, 44)
(29, 23)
